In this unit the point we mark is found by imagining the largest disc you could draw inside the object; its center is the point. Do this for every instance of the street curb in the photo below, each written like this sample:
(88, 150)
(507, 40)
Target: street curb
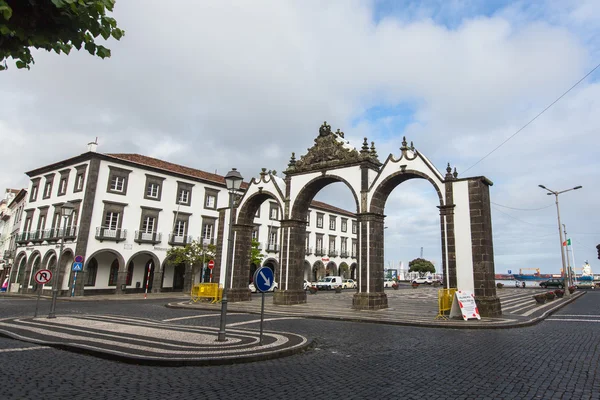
(442, 325)
(149, 361)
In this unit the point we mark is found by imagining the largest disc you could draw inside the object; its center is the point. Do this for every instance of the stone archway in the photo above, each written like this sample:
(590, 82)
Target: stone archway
(18, 273)
(465, 218)
(141, 273)
(111, 273)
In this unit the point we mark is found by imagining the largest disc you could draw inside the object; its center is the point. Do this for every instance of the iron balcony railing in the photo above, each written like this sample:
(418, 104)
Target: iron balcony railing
(179, 240)
(147, 237)
(271, 247)
(9, 254)
(308, 250)
(320, 251)
(353, 254)
(333, 253)
(108, 233)
(344, 253)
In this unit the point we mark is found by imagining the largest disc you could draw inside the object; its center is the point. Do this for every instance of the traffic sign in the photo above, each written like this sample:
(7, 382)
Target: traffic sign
(43, 276)
(77, 266)
(78, 259)
(509, 271)
(264, 279)
(211, 264)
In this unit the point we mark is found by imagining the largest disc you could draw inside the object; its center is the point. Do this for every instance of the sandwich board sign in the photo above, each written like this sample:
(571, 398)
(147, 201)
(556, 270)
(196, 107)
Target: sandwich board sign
(463, 305)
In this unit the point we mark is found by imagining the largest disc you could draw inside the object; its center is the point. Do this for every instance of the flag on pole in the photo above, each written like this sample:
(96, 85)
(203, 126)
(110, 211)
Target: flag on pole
(567, 242)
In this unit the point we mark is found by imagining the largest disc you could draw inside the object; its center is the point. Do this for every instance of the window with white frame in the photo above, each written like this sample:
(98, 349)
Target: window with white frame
(255, 233)
(344, 226)
(354, 227)
(47, 189)
(62, 186)
(148, 224)
(210, 198)
(319, 244)
(273, 238)
(79, 182)
(331, 243)
(184, 193)
(332, 222)
(273, 211)
(208, 228)
(111, 220)
(184, 196)
(179, 228)
(35, 183)
(344, 245)
(153, 187)
(308, 218)
(152, 190)
(354, 247)
(117, 183)
(320, 220)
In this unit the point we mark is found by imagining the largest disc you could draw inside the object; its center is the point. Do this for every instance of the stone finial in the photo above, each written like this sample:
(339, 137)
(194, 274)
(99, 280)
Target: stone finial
(339, 133)
(263, 173)
(412, 146)
(448, 172)
(365, 147)
(455, 174)
(292, 162)
(373, 151)
(404, 144)
(325, 129)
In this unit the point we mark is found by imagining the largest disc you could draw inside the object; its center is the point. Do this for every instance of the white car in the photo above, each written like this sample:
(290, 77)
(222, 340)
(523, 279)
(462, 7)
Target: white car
(388, 283)
(273, 288)
(307, 284)
(423, 279)
(349, 284)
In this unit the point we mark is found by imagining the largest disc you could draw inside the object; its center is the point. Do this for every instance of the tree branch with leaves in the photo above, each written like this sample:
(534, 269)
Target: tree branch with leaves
(54, 25)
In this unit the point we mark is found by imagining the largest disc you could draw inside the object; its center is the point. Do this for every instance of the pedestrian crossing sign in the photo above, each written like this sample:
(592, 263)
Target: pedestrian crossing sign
(77, 266)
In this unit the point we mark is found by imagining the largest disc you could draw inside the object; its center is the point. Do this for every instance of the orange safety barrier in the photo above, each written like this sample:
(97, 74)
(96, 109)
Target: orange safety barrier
(208, 291)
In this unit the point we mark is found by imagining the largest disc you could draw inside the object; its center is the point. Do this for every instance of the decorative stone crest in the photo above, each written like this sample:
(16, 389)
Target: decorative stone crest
(330, 150)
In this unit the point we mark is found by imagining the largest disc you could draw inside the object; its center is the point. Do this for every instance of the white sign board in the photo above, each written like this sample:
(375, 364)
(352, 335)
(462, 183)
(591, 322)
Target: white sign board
(463, 305)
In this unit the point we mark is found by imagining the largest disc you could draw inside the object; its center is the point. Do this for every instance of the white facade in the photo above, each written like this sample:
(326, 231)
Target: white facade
(129, 210)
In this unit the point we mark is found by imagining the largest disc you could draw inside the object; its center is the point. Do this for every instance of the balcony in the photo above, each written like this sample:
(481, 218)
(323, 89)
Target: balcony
(55, 234)
(179, 240)
(24, 237)
(113, 235)
(344, 254)
(353, 254)
(9, 254)
(333, 253)
(308, 251)
(319, 251)
(272, 248)
(147, 237)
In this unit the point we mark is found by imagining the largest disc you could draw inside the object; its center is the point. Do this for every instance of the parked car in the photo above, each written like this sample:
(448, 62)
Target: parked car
(329, 282)
(349, 284)
(554, 282)
(422, 280)
(388, 283)
(273, 288)
(307, 284)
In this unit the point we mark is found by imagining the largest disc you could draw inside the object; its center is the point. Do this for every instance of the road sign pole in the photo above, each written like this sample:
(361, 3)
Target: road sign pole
(74, 280)
(262, 317)
(37, 302)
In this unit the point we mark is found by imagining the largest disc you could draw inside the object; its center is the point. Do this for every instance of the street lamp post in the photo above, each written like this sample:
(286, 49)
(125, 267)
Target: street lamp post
(205, 243)
(65, 211)
(562, 253)
(233, 179)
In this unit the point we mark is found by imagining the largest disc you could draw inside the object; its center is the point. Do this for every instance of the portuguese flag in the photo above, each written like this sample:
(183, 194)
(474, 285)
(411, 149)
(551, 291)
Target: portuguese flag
(567, 242)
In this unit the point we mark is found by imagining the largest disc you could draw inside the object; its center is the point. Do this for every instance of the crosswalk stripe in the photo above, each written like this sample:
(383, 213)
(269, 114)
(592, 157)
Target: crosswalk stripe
(24, 349)
(573, 320)
(254, 321)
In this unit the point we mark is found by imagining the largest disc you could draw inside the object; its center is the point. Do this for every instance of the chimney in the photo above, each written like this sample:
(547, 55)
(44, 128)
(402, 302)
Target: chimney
(93, 145)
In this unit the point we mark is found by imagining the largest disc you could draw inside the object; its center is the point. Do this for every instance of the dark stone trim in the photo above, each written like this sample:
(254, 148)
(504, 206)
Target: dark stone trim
(115, 203)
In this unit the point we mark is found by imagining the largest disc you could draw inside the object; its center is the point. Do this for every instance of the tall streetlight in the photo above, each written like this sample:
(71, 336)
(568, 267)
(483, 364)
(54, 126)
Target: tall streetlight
(233, 179)
(65, 211)
(562, 253)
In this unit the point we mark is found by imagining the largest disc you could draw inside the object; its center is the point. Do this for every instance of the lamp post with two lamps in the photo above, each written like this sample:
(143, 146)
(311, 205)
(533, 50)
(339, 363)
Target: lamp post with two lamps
(65, 211)
(562, 253)
(233, 179)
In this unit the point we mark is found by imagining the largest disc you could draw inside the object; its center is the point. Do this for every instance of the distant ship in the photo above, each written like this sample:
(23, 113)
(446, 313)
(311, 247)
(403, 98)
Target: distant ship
(532, 277)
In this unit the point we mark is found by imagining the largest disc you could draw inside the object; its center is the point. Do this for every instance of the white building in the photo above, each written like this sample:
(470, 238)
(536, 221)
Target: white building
(6, 229)
(129, 210)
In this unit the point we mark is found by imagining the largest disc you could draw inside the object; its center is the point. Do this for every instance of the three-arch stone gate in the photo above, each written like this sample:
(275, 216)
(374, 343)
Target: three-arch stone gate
(465, 220)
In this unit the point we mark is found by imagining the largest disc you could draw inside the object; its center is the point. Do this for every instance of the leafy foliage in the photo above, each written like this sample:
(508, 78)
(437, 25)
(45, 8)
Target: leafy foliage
(256, 256)
(421, 265)
(192, 254)
(57, 25)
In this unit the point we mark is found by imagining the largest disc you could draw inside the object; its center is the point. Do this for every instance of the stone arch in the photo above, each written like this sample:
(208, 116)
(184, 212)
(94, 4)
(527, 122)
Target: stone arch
(137, 272)
(344, 270)
(309, 191)
(18, 273)
(34, 264)
(308, 271)
(331, 269)
(353, 268)
(318, 270)
(106, 258)
(242, 271)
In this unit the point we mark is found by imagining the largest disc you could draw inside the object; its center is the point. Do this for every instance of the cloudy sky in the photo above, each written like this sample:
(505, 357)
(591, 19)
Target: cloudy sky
(221, 84)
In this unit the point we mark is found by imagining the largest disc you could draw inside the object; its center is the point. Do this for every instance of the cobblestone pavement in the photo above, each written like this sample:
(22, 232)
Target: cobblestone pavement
(558, 358)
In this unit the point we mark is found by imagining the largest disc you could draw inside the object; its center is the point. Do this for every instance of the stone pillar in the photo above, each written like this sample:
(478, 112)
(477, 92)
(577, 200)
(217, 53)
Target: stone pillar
(241, 264)
(487, 301)
(447, 232)
(188, 278)
(157, 277)
(291, 257)
(370, 294)
(121, 278)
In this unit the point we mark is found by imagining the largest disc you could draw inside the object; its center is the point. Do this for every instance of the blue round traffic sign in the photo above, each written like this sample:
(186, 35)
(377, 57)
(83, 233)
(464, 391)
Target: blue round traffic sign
(264, 279)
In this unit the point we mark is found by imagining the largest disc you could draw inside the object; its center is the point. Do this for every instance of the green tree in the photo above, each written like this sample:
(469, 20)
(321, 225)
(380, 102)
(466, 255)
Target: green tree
(191, 254)
(57, 25)
(421, 266)
(256, 256)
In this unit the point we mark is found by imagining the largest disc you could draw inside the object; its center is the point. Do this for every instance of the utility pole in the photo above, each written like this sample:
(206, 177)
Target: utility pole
(569, 275)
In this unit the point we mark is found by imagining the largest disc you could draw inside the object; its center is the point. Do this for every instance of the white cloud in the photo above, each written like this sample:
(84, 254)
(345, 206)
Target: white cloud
(214, 85)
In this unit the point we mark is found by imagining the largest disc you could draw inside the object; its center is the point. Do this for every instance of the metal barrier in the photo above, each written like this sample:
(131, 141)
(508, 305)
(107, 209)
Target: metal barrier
(445, 297)
(206, 291)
